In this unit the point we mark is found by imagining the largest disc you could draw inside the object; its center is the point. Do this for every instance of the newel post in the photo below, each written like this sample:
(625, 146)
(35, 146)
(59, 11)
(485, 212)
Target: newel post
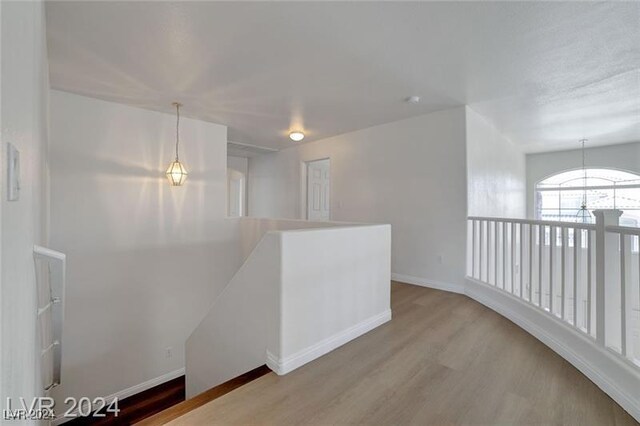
(606, 250)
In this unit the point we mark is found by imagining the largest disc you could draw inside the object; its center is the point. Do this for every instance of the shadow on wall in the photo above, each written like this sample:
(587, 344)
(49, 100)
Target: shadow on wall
(128, 308)
(88, 164)
(118, 194)
(145, 261)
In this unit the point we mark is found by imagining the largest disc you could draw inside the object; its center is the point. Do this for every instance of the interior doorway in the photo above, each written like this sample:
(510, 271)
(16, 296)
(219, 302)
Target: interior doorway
(319, 190)
(235, 193)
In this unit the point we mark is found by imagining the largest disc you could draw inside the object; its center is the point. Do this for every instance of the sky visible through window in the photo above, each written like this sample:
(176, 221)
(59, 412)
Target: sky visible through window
(560, 196)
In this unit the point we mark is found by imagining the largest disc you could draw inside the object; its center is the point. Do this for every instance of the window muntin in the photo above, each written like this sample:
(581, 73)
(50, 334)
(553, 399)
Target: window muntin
(595, 177)
(560, 196)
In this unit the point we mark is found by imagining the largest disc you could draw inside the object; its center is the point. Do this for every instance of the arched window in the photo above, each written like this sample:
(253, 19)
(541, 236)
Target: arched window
(560, 196)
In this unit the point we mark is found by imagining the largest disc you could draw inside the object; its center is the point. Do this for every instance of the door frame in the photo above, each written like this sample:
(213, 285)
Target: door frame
(304, 182)
(243, 189)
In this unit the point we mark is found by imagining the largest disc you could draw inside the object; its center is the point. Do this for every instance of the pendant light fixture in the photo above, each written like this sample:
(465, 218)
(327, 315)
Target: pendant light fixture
(177, 172)
(583, 215)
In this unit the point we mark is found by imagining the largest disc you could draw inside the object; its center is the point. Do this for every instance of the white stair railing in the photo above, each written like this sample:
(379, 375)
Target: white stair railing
(585, 275)
(623, 295)
(50, 268)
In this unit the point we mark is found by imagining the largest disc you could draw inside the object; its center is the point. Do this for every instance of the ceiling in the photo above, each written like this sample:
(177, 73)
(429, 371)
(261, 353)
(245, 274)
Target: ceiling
(546, 74)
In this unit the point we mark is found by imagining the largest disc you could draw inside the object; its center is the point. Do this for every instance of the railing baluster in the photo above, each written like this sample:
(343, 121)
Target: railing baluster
(552, 244)
(521, 269)
(541, 242)
(480, 246)
(589, 286)
(473, 249)
(623, 307)
(495, 257)
(577, 245)
(626, 295)
(564, 238)
(513, 257)
(530, 261)
(504, 256)
(488, 251)
(600, 277)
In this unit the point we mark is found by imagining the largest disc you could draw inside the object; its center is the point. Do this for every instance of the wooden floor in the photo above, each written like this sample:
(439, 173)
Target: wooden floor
(183, 407)
(444, 359)
(137, 407)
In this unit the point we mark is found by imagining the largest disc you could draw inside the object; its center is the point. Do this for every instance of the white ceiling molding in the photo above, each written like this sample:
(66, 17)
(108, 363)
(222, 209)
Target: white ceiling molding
(247, 150)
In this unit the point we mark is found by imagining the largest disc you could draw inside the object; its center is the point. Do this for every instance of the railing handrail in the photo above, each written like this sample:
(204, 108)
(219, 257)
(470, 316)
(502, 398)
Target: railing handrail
(576, 225)
(628, 230)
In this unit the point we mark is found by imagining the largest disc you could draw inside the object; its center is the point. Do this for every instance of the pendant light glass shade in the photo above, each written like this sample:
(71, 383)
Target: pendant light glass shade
(177, 172)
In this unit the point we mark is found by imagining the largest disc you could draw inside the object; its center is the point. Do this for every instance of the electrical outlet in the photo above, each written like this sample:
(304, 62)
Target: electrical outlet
(168, 352)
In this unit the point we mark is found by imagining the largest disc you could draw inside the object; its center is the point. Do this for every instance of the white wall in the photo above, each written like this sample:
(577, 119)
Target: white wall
(300, 294)
(23, 122)
(217, 352)
(145, 259)
(539, 166)
(253, 229)
(410, 173)
(334, 281)
(496, 174)
(240, 164)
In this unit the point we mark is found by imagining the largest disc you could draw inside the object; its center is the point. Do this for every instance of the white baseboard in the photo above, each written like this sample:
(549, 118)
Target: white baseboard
(619, 379)
(423, 282)
(125, 393)
(285, 365)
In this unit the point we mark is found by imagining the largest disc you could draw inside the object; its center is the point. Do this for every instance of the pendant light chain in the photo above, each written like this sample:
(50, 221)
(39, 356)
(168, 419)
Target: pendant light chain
(584, 178)
(177, 172)
(583, 214)
(177, 128)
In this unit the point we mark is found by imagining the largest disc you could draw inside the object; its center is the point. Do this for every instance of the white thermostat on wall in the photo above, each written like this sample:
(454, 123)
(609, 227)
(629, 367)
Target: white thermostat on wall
(13, 173)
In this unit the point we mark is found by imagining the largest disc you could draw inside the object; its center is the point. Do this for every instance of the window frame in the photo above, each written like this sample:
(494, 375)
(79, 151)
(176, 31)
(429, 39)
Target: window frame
(559, 188)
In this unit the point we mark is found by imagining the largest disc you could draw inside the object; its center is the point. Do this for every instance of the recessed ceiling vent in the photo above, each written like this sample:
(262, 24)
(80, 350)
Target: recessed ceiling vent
(247, 150)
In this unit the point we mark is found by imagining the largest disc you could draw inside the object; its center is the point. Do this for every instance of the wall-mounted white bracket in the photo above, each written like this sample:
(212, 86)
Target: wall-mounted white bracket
(13, 173)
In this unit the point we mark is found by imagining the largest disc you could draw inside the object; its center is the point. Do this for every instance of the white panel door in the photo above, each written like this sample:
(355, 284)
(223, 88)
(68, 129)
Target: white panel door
(318, 190)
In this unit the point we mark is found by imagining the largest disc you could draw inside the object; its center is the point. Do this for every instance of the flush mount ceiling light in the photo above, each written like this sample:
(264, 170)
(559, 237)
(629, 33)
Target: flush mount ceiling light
(413, 100)
(296, 136)
(177, 172)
